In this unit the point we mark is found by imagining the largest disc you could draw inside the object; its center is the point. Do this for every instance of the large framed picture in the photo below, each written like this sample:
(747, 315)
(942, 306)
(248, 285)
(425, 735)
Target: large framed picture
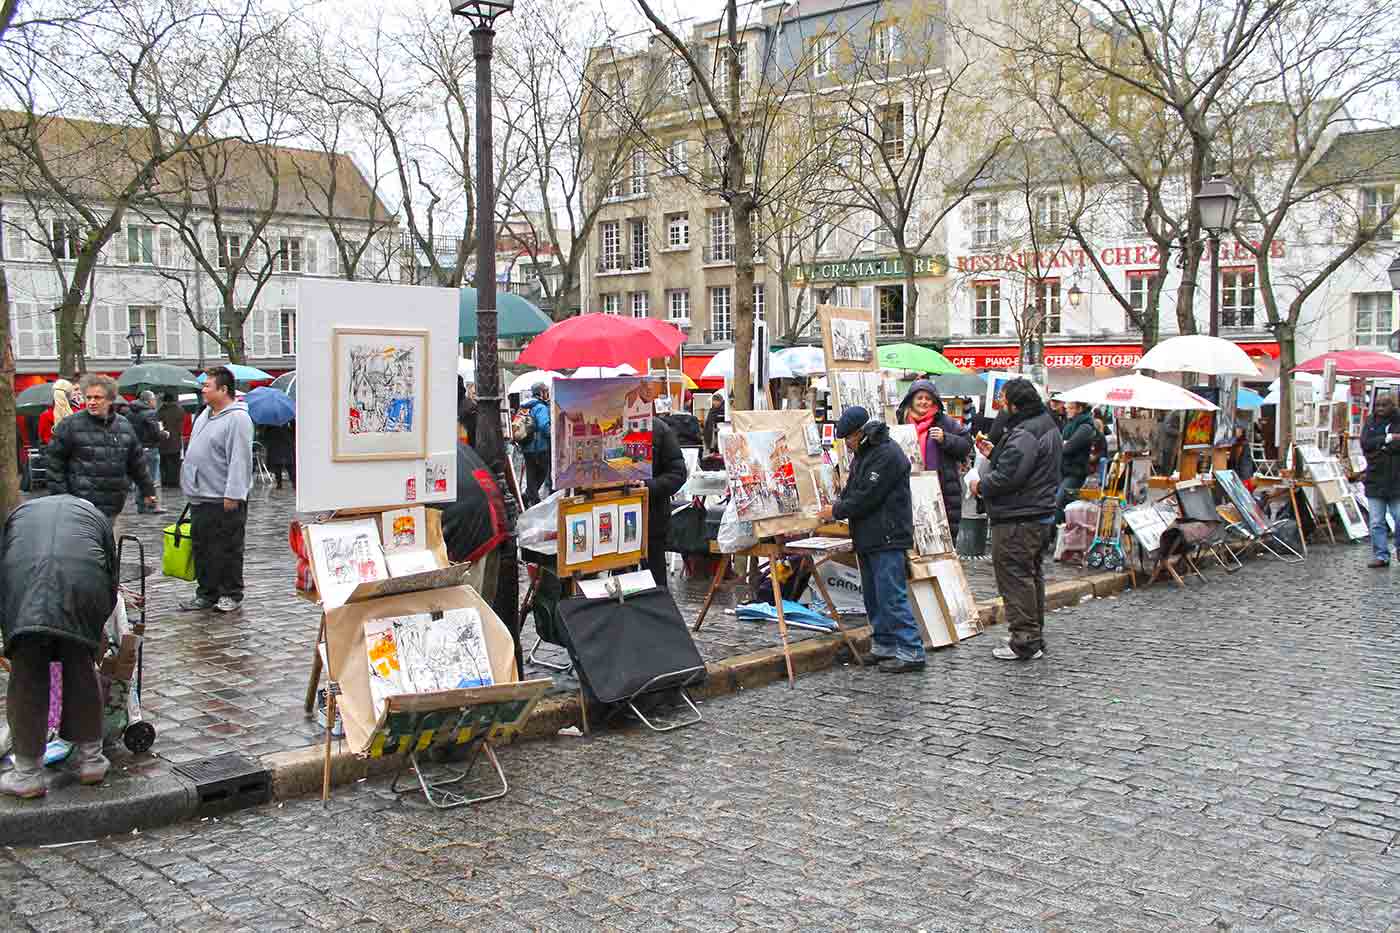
(379, 393)
(848, 338)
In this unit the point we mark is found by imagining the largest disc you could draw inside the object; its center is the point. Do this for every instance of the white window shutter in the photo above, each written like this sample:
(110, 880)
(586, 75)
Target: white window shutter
(867, 297)
(16, 242)
(309, 260)
(170, 327)
(332, 257)
(46, 323)
(211, 247)
(167, 248)
(22, 324)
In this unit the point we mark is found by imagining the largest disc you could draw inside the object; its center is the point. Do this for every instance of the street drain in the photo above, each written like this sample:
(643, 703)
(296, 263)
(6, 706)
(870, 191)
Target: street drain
(227, 782)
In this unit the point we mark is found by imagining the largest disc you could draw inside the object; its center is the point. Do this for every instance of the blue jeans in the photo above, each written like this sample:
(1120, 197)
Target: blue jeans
(1380, 534)
(884, 587)
(152, 455)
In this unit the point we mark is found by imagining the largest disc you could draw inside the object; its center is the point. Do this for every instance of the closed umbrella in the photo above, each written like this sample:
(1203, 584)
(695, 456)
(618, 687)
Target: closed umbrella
(1199, 353)
(1137, 391)
(915, 358)
(158, 377)
(267, 405)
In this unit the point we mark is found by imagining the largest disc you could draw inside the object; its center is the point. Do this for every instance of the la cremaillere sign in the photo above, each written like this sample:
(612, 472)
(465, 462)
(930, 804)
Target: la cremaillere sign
(873, 269)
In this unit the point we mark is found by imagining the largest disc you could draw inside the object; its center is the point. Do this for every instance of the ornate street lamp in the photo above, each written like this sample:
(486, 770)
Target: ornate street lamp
(1216, 204)
(1074, 295)
(136, 339)
(1394, 272)
(488, 439)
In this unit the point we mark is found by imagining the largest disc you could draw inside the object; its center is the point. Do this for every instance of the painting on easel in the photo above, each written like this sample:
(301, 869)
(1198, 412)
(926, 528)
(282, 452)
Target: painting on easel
(601, 431)
(761, 475)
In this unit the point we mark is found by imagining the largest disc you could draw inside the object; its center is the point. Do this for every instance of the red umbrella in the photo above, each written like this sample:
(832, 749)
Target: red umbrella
(601, 340)
(1354, 363)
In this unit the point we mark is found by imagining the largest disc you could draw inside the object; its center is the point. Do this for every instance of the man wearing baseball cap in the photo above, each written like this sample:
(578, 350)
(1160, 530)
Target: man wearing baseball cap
(877, 502)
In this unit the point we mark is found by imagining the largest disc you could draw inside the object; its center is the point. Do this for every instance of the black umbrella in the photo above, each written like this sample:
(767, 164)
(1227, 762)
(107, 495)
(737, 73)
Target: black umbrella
(35, 400)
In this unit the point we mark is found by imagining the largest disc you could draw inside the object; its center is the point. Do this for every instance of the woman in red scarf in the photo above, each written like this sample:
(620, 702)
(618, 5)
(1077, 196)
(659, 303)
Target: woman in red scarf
(945, 443)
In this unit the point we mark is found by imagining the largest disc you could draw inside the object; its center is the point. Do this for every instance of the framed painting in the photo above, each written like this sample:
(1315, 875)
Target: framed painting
(379, 394)
(848, 338)
(932, 533)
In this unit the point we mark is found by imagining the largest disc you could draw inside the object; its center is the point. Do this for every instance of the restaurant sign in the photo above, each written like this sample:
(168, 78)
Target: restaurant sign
(872, 269)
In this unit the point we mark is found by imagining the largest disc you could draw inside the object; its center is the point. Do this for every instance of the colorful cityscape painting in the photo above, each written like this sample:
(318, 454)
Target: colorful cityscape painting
(601, 431)
(761, 476)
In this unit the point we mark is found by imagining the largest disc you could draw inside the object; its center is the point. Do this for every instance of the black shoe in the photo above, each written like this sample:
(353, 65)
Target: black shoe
(872, 660)
(896, 666)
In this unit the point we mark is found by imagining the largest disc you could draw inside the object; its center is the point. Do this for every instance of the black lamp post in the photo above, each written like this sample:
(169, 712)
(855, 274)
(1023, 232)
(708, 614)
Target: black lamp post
(136, 339)
(488, 437)
(1216, 204)
(1393, 270)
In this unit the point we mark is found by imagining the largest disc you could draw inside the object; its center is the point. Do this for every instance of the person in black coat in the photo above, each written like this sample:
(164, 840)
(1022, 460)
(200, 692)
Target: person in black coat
(1078, 435)
(59, 569)
(95, 453)
(280, 448)
(713, 419)
(878, 503)
(1380, 440)
(668, 475)
(944, 443)
(1018, 490)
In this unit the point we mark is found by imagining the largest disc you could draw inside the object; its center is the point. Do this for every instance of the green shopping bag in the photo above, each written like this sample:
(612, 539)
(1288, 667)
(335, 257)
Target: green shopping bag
(177, 551)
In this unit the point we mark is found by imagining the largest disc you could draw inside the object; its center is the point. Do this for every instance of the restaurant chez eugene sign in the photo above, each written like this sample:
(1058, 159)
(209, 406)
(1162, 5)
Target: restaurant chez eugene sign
(1140, 255)
(868, 270)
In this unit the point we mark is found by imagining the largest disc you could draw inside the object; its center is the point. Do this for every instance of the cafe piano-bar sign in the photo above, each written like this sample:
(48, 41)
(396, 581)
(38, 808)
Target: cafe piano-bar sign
(1111, 356)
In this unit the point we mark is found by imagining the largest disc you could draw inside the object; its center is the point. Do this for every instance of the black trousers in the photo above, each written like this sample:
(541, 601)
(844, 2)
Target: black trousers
(217, 542)
(170, 470)
(536, 473)
(27, 702)
(656, 561)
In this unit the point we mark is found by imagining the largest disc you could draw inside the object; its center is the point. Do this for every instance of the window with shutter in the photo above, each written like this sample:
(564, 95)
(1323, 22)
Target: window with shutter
(167, 248)
(23, 324)
(310, 254)
(16, 243)
(105, 340)
(174, 344)
(332, 257)
(115, 250)
(46, 328)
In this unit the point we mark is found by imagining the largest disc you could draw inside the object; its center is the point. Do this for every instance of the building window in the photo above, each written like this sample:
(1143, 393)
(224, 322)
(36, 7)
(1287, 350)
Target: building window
(741, 51)
(1048, 211)
(65, 240)
(639, 172)
(287, 325)
(677, 161)
(1374, 320)
(721, 248)
(678, 305)
(986, 216)
(141, 245)
(230, 248)
(1237, 298)
(1047, 304)
(888, 41)
(1139, 289)
(677, 231)
(678, 76)
(1137, 209)
(721, 319)
(147, 318)
(760, 302)
(289, 250)
(612, 303)
(641, 304)
(892, 131)
(890, 311)
(1375, 204)
(822, 50)
(986, 309)
(641, 245)
(614, 189)
(610, 246)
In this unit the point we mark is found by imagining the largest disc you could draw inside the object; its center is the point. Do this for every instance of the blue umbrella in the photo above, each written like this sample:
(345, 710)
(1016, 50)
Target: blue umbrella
(1248, 399)
(242, 374)
(267, 405)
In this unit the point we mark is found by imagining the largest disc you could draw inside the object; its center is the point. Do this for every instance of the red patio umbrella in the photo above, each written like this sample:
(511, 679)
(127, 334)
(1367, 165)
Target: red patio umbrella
(1354, 363)
(601, 340)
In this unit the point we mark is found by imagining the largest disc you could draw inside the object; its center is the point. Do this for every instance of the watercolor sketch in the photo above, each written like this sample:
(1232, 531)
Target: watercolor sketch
(761, 475)
(380, 395)
(386, 675)
(443, 654)
(347, 553)
(605, 530)
(404, 529)
(907, 437)
(851, 340)
(859, 388)
(932, 534)
(578, 538)
(601, 431)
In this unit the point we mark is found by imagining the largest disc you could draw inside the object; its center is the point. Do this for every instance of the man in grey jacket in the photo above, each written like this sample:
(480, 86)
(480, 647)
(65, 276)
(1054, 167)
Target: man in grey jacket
(216, 476)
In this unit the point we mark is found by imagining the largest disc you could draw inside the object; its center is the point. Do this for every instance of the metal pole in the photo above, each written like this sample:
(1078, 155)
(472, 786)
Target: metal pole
(488, 439)
(1214, 284)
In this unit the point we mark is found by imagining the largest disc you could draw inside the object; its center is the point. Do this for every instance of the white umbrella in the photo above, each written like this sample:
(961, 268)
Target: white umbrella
(1137, 391)
(721, 366)
(524, 382)
(803, 361)
(466, 369)
(1339, 393)
(602, 372)
(1199, 353)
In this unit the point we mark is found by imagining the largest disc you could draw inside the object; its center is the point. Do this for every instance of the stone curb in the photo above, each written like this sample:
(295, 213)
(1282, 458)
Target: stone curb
(298, 773)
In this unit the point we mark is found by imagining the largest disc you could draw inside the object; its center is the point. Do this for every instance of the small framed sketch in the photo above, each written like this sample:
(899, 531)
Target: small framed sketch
(629, 517)
(379, 395)
(578, 545)
(848, 338)
(605, 530)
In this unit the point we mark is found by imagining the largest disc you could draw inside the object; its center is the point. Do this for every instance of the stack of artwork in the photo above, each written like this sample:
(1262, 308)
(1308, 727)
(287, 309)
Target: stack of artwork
(1148, 523)
(759, 466)
(943, 602)
(418, 653)
(601, 430)
(345, 554)
(608, 532)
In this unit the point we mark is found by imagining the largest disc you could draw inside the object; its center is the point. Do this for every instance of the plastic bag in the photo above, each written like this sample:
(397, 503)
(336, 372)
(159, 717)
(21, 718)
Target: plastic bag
(734, 535)
(538, 527)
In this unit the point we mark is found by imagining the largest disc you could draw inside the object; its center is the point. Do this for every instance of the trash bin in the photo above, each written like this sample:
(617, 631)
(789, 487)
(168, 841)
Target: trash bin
(972, 536)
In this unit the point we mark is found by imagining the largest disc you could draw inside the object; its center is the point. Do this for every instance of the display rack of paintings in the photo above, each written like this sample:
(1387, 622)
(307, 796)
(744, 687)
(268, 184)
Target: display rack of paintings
(600, 431)
(932, 533)
(848, 338)
(602, 530)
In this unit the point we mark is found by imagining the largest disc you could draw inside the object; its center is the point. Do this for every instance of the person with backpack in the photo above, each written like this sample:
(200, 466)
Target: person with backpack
(1081, 441)
(529, 427)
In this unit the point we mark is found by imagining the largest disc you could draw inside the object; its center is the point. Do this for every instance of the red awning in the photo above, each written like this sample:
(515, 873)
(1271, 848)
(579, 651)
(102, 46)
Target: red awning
(1071, 356)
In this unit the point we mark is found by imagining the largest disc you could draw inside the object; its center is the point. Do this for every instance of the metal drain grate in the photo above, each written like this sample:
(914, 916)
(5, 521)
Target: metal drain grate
(228, 782)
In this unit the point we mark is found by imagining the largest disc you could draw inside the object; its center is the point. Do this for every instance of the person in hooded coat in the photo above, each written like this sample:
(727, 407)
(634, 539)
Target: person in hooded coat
(944, 443)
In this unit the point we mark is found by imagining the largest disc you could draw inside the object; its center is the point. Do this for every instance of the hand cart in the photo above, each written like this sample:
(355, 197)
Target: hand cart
(122, 665)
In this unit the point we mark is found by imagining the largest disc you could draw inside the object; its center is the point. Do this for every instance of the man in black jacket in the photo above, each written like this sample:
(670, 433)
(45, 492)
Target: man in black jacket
(878, 503)
(1078, 436)
(1019, 494)
(58, 585)
(1380, 440)
(95, 453)
(150, 432)
(668, 475)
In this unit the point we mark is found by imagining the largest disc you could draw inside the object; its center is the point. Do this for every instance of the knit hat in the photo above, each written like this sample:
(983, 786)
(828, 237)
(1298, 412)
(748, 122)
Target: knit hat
(852, 420)
(538, 390)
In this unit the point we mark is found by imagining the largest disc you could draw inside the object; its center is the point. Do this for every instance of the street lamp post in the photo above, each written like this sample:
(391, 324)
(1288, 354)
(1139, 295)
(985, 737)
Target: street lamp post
(1216, 204)
(1393, 271)
(136, 339)
(488, 438)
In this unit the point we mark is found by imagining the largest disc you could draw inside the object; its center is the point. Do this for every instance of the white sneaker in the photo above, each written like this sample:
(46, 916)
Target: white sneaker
(1005, 653)
(26, 780)
(227, 604)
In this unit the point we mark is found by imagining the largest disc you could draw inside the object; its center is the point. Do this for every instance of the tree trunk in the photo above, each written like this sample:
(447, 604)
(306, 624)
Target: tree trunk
(742, 310)
(9, 459)
(911, 296)
(1287, 359)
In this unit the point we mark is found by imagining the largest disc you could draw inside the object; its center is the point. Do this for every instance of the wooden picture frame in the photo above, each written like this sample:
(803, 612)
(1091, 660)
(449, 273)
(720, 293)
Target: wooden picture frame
(935, 624)
(365, 380)
(860, 318)
(584, 507)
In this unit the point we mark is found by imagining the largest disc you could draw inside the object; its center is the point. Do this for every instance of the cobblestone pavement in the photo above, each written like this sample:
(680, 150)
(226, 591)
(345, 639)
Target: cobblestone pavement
(1220, 758)
(218, 683)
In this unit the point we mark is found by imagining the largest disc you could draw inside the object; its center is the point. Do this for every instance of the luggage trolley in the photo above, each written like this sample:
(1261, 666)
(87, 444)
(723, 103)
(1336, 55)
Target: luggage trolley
(122, 665)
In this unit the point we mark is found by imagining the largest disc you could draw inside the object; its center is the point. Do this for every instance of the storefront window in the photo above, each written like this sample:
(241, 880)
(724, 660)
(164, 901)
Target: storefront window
(1374, 319)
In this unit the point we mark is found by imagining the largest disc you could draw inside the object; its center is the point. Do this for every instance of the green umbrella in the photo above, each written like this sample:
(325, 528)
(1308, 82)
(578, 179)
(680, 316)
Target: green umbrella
(35, 400)
(918, 359)
(515, 317)
(158, 377)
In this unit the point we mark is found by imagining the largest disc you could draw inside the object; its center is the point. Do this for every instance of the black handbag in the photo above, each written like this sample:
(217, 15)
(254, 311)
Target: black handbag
(686, 532)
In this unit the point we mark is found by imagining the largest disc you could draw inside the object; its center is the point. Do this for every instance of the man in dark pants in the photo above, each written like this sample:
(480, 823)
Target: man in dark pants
(172, 418)
(1078, 437)
(59, 574)
(1380, 439)
(668, 475)
(215, 477)
(1019, 494)
(879, 505)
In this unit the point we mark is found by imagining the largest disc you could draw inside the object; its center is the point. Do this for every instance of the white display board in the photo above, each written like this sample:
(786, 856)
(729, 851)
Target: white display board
(327, 306)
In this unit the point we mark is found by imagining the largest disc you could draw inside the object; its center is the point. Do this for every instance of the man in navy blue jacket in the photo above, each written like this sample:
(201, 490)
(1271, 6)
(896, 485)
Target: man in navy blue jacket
(878, 503)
